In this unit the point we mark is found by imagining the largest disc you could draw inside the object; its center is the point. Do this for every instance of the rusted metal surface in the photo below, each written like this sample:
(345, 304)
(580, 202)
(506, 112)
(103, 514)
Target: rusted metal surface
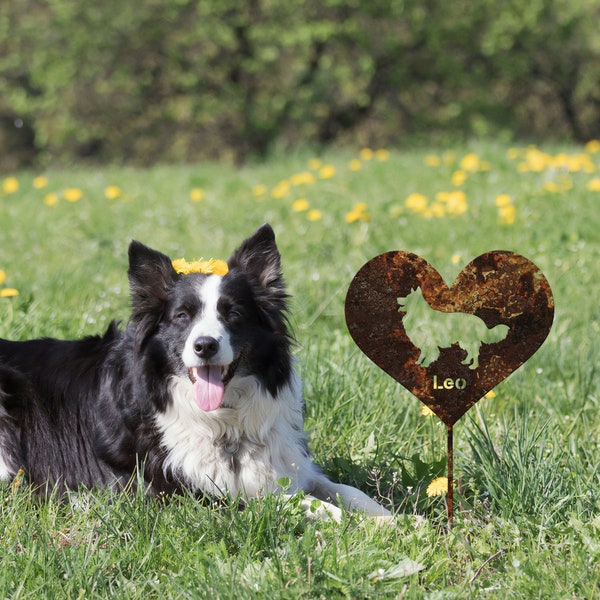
(499, 288)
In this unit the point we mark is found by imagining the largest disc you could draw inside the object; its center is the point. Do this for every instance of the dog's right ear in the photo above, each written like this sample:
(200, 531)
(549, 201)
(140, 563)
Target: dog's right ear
(151, 274)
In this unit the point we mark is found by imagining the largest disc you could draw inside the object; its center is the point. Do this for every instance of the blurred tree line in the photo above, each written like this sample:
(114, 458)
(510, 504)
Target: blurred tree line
(181, 80)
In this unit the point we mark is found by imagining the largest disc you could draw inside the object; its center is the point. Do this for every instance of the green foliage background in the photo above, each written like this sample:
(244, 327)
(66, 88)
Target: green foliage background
(138, 82)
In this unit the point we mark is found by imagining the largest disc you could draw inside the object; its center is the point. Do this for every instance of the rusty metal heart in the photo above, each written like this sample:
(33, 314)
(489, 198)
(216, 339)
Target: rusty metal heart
(449, 346)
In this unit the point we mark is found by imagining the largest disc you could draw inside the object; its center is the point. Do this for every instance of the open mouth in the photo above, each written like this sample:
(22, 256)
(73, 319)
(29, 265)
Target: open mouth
(209, 383)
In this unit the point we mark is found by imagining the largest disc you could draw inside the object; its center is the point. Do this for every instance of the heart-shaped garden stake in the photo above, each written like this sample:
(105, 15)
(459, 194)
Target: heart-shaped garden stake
(449, 346)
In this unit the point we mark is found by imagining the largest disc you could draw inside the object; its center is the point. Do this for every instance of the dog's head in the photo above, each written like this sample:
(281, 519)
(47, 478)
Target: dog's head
(411, 300)
(212, 328)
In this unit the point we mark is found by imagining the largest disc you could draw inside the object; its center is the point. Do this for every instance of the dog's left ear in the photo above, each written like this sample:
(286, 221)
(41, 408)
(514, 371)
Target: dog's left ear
(151, 274)
(259, 257)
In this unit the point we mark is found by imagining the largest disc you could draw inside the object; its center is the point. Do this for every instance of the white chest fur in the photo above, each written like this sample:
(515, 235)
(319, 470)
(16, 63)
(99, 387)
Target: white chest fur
(244, 447)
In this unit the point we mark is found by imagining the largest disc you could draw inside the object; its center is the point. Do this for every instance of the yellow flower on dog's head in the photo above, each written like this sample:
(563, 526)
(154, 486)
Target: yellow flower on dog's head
(207, 267)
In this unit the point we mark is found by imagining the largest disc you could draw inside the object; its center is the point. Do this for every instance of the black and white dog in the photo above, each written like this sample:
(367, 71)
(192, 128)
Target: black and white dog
(199, 390)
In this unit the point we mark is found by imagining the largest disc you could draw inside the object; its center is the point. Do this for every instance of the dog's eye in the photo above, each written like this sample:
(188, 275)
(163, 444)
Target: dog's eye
(234, 314)
(182, 317)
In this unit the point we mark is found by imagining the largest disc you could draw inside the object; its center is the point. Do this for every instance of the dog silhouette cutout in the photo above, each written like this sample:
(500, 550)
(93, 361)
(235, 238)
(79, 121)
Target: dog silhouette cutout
(430, 330)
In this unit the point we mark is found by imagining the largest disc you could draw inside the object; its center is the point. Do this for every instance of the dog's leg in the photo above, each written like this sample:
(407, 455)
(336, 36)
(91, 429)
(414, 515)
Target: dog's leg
(472, 358)
(351, 498)
(8, 459)
(429, 354)
(10, 452)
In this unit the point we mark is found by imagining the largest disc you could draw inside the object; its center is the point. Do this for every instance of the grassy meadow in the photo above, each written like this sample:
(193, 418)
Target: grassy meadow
(527, 460)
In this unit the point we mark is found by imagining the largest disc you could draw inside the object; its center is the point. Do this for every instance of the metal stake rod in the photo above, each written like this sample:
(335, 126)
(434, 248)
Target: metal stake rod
(450, 477)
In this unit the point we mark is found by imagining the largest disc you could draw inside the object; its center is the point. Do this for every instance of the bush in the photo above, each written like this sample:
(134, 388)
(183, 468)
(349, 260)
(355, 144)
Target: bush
(183, 80)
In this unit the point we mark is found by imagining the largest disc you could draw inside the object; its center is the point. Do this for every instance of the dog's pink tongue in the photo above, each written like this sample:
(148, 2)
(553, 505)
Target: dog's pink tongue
(209, 388)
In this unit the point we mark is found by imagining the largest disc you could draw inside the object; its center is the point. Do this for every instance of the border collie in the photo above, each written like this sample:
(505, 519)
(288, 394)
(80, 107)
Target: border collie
(198, 391)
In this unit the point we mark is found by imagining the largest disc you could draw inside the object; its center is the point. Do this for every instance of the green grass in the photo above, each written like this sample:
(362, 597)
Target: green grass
(527, 462)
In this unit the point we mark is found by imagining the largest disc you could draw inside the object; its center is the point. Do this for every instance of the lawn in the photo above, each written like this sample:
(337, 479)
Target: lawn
(527, 462)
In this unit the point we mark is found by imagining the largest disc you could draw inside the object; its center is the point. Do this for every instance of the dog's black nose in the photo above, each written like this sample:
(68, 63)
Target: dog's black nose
(206, 347)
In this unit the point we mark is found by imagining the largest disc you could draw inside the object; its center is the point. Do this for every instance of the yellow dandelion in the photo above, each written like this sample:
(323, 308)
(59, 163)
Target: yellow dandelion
(281, 190)
(196, 194)
(10, 185)
(456, 203)
(490, 394)
(314, 215)
(207, 267)
(431, 160)
(300, 205)
(438, 487)
(537, 161)
(507, 214)
(560, 161)
(358, 213)
(382, 154)
(366, 154)
(112, 192)
(513, 153)
(551, 186)
(455, 259)
(593, 146)
(469, 162)
(40, 182)
(355, 164)
(579, 162)
(589, 166)
(2, 276)
(72, 194)
(593, 185)
(326, 172)
(8, 293)
(51, 199)
(315, 164)
(18, 480)
(416, 202)
(303, 178)
(459, 177)
(426, 411)
(437, 210)
(352, 216)
(503, 200)
(259, 190)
